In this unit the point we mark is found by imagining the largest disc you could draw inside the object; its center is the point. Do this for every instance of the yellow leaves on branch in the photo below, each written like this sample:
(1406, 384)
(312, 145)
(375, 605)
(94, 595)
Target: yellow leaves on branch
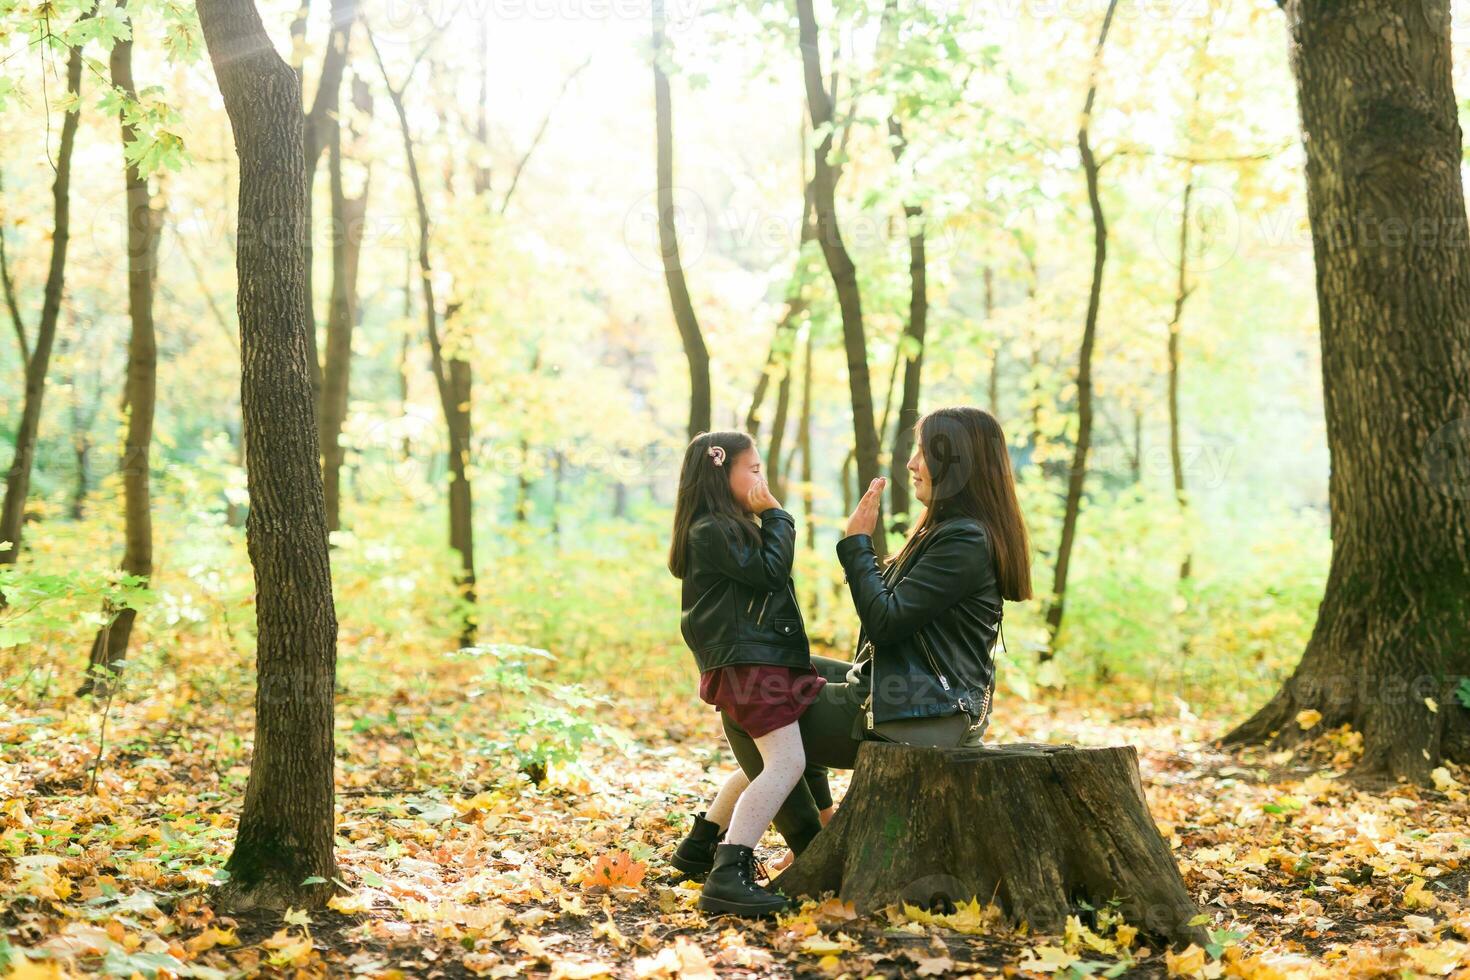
(614, 870)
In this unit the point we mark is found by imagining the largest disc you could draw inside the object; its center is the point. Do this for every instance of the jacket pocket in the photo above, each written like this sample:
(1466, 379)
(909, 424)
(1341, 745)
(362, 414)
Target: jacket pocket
(786, 627)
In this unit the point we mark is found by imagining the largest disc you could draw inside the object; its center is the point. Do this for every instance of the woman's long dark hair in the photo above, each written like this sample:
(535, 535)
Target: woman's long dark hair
(970, 476)
(704, 488)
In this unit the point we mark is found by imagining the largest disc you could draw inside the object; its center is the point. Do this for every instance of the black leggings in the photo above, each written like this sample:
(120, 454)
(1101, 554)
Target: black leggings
(826, 735)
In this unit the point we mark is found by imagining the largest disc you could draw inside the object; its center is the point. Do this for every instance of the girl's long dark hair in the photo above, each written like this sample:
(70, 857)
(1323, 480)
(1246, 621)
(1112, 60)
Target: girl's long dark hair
(704, 488)
(970, 476)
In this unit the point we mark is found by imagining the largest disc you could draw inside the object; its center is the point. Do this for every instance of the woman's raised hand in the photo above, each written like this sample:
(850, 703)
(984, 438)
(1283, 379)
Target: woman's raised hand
(760, 500)
(864, 519)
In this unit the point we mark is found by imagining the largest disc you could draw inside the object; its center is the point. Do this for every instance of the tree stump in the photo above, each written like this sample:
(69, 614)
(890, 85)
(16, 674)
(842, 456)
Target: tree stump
(1039, 829)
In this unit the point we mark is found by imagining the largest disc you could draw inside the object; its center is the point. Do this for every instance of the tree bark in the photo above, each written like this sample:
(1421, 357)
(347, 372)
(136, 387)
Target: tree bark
(1077, 474)
(1392, 639)
(1054, 831)
(18, 480)
(285, 834)
(913, 342)
(144, 230)
(668, 240)
(839, 263)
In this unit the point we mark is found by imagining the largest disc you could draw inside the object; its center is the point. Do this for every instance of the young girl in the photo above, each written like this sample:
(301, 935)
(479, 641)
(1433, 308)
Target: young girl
(741, 621)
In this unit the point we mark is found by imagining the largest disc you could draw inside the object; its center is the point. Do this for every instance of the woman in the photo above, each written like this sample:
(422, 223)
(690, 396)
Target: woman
(924, 671)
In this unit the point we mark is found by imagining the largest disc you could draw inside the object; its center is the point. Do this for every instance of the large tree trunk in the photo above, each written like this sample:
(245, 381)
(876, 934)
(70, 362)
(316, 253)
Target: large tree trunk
(144, 229)
(668, 239)
(1047, 831)
(912, 345)
(18, 480)
(285, 835)
(839, 263)
(348, 217)
(1392, 638)
(1077, 474)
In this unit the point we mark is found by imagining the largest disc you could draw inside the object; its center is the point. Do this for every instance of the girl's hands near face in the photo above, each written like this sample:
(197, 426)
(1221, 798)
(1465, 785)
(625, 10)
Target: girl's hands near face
(760, 500)
(864, 519)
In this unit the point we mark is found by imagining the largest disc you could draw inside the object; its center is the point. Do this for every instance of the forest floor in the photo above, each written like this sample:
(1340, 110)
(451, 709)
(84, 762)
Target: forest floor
(455, 864)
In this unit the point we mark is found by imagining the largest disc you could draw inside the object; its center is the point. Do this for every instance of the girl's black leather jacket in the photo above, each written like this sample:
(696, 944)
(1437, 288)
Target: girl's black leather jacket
(928, 628)
(739, 605)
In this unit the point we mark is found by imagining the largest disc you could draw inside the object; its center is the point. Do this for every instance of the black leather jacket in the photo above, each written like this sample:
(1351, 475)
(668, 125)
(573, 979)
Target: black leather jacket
(739, 605)
(928, 628)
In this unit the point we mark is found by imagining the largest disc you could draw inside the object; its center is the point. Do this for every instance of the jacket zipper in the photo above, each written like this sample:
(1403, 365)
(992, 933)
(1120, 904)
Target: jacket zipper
(760, 615)
(943, 681)
(872, 682)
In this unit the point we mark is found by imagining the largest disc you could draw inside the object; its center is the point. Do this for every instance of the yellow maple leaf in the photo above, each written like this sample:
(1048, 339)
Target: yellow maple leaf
(287, 948)
(1047, 959)
(1307, 718)
(615, 870)
(349, 904)
(1188, 963)
(1416, 896)
(210, 938)
(1440, 959)
(24, 969)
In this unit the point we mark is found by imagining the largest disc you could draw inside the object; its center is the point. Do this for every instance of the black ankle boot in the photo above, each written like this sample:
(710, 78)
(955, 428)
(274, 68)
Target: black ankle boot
(731, 888)
(695, 854)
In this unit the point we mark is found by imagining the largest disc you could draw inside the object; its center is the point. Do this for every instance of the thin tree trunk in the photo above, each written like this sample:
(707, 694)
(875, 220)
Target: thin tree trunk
(317, 132)
(1391, 645)
(774, 464)
(523, 480)
(804, 434)
(81, 447)
(452, 377)
(558, 468)
(796, 308)
(668, 240)
(12, 305)
(912, 346)
(348, 219)
(283, 849)
(144, 230)
(1181, 294)
(1077, 475)
(18, 480)
(839, 263)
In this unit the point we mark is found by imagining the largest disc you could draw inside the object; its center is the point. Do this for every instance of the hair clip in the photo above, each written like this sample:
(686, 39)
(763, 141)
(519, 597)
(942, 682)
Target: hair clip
(717, 453)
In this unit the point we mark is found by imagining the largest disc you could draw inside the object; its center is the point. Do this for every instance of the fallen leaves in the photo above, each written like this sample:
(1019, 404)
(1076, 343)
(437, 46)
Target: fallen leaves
(454, 861)
(615, 870)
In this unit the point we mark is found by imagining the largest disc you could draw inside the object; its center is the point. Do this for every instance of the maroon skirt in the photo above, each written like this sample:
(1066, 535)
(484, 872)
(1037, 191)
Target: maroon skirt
(761, 698)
